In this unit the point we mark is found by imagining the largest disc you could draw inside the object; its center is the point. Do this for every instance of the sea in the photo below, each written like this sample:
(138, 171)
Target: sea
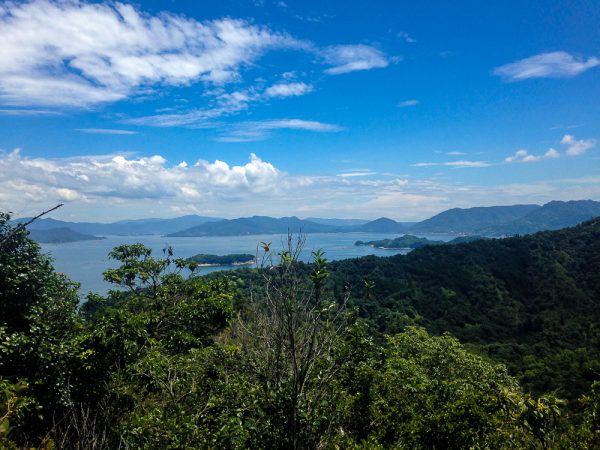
(84, 261)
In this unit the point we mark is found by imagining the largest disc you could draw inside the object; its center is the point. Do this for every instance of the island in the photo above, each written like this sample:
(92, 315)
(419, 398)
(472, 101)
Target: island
(409, 241)
(406, 241)
(60, 236)
(236, 259)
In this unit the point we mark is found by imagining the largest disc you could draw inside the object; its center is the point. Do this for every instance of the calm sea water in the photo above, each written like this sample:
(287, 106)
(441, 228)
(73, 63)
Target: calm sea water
(85, 261)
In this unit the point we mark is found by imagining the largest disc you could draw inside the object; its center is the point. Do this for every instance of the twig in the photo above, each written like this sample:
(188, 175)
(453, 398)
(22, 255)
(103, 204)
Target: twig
(23, 225)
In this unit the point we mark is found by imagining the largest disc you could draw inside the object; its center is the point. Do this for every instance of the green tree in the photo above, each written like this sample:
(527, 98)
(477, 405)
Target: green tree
(290, 340)
(39, 331)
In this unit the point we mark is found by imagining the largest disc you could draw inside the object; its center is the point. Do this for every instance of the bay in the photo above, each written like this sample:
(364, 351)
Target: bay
(84, 261)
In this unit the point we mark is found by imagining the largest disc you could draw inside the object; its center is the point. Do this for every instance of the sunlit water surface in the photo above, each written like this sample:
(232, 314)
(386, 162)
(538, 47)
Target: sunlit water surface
(85, 261)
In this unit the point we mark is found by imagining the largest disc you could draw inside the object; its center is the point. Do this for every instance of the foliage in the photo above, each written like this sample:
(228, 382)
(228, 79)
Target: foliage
(275, 358)
(530, 302)
(289, 341)
(39, 328)
(224, 260)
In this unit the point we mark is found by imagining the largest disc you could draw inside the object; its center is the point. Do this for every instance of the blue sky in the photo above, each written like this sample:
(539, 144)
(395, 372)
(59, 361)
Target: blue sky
(346, 109)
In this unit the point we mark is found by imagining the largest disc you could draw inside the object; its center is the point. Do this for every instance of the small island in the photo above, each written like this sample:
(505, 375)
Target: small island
(236, 259)
(406, 241)
(412, 242)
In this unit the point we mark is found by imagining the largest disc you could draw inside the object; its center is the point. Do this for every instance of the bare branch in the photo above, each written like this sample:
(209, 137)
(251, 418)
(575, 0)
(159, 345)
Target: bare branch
(21, 226)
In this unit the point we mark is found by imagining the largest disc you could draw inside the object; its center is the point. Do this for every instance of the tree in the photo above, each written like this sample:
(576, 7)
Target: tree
(290, 339)
(148, 348)
(39, 331)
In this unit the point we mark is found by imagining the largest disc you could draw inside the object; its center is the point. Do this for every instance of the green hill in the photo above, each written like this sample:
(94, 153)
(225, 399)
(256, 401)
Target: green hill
(60, 235)
(532, 302)
(471, 220)
(406, 241)
(221, 260)
(552, 216)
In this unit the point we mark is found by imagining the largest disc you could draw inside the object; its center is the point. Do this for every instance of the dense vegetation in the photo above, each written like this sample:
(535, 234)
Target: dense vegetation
(174, 362)
(222, 260)
(531, 302)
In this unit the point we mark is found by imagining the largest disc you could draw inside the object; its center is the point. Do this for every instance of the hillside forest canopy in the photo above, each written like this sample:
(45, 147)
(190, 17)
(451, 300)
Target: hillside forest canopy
(486, 344)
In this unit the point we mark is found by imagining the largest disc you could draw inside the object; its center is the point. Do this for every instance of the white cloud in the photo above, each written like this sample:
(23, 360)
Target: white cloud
(119, 186)
(455, 164)
(575, 147)
(359, 173)
(546, 65)
(224, 104)
(523, 156)
(71, 53)
(350, 58)
(106, 131)
(425, 164)
(407, 103)
(288, 90)
(456, 153)
(258, 130)
(467, 164)
(28, 112)
(406, 37)
(126, 178)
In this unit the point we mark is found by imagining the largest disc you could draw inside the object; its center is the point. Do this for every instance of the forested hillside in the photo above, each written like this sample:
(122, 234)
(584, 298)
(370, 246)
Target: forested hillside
(532, 302)
(277, 357)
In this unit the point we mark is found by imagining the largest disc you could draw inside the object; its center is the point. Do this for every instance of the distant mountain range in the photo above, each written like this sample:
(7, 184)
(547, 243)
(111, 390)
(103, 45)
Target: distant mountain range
(471, 220)
(254, 225)
(338, 222)
(123, 227)
(270, 225)
(484, 221)
(510, 220)
(552, 216)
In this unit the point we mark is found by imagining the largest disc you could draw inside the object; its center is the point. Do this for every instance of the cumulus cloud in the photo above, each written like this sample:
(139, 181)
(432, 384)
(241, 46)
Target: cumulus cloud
(523, 156)
(92, 178)
(350, 58)
(577, 147)
(119, 186)
(546, 65)
(288, 90)
(574, 147)
(72, 53)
